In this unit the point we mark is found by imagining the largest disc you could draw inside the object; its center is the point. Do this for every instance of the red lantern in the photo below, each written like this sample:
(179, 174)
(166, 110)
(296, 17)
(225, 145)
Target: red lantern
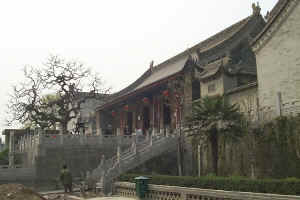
(146, 100)
(113, 113)
(126, 107)
(166, 93)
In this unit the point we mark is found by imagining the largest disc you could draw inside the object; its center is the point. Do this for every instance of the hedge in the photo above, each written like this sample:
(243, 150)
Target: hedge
(289, 186)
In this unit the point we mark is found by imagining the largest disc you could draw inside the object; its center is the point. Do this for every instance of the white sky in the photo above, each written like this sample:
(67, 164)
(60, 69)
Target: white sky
(116, 38)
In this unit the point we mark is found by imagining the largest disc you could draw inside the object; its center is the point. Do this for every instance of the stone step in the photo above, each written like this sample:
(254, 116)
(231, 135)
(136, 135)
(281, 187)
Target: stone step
(131, 158)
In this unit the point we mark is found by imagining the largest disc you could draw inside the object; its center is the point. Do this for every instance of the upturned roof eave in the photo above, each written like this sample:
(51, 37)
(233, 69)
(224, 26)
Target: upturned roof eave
(282, 4)
(143, 89)
(242, 87)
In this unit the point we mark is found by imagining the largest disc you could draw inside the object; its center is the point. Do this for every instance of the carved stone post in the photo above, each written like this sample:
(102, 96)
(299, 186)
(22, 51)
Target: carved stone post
(11, 149)
(98, 123)
(162, 131)
(147, 134)
(21, 145)
(99, 131)
(278, 104)
(30, 141)
(133, 146)
(199, 160)
(258, 110)
(118, 153)
(167, 131)
(61, 139)
(183, 196)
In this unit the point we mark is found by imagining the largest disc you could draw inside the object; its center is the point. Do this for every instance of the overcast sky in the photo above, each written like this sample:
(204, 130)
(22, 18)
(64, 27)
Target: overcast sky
(116, 38)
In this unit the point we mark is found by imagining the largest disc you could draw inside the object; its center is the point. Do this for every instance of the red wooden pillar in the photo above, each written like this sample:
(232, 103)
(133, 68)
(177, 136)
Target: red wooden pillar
(98, 123)
(122, 122)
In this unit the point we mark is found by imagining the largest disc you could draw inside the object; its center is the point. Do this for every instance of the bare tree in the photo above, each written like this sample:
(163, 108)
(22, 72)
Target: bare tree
(65, 81)
(249, 108)
(178, 92)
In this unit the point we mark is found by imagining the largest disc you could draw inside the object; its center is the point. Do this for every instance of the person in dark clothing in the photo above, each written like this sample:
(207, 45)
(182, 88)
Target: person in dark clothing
(66, 178)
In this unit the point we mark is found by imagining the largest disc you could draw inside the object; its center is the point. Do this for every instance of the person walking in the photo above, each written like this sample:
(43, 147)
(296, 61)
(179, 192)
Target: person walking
(66, 179)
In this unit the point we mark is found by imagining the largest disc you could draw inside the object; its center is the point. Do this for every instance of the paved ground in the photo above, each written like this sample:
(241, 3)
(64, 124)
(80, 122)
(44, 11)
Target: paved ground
(112, 198)
(59, 194)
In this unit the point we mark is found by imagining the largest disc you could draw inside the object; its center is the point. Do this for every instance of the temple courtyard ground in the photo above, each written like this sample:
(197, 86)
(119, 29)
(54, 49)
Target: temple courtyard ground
(21, 192)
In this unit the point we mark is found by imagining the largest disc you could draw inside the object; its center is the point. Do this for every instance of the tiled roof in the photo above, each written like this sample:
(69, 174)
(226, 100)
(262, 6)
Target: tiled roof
(176, 64)
(149, 77)
(275, 12)
(166, 71)
(221, 36)
(240, 88)
(213, 68)
(210, 70)
(241, 68)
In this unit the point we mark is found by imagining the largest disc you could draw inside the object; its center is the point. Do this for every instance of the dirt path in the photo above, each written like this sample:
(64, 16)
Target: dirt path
(18, 192)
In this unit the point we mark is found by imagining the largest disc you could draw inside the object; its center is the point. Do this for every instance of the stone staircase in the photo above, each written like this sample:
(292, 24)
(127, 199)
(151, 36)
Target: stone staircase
(142, 150)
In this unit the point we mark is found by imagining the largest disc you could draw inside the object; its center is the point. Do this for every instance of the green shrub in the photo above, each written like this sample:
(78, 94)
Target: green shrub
(289, 186)
(4, 157)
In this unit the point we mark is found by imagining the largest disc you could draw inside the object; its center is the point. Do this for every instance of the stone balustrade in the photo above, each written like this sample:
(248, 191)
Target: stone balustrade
(141, 150)
(31, 146)
(27, 143)
(163, 192)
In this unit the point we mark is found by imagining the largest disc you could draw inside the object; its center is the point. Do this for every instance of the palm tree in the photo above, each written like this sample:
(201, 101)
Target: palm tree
(214, 118)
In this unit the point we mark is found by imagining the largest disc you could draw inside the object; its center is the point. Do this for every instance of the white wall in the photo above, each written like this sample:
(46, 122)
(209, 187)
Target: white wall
(278, 63)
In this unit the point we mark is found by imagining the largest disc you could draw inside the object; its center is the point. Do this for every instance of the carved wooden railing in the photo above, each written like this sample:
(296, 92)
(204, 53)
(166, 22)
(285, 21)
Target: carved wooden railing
(158, 192)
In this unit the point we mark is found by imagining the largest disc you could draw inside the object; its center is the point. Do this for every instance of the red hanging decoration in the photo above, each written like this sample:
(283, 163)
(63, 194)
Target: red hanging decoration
(113, 113)
(126, 107)
(166, 93)
(146, 100)
(177, 97)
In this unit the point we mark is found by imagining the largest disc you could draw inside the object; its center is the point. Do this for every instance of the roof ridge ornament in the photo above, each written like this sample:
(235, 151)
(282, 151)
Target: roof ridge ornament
(151, 65)
(192, 57)
(267, 16)
(256, 8)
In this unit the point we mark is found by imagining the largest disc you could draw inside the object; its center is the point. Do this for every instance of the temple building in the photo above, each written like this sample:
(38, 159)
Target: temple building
(278, 60)
(159, 100)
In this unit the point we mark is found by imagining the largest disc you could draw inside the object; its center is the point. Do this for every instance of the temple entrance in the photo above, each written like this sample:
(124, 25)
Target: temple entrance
(107, 123)
(146, 119)
(196, 90)
(167, 115)
(128, 129)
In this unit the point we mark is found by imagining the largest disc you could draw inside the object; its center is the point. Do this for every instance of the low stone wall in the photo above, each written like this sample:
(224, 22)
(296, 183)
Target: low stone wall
(79, 159)
(17, 174)
(48, 152)
(159, 192)
(29, 143)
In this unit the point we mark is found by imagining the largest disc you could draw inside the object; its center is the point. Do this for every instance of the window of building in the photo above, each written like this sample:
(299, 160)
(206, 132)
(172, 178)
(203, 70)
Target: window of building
(211, 87)
(196, 90)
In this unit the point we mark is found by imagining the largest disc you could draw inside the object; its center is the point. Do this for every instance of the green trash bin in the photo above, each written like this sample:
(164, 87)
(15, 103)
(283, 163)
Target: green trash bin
(141, 186)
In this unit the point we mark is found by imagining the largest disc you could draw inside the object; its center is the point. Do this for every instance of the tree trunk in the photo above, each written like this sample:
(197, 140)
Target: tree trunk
(180, 152)
(179, 166)
(200, 159)
(252, 160)
(64, 128)
(180, 156)
(214, 148)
